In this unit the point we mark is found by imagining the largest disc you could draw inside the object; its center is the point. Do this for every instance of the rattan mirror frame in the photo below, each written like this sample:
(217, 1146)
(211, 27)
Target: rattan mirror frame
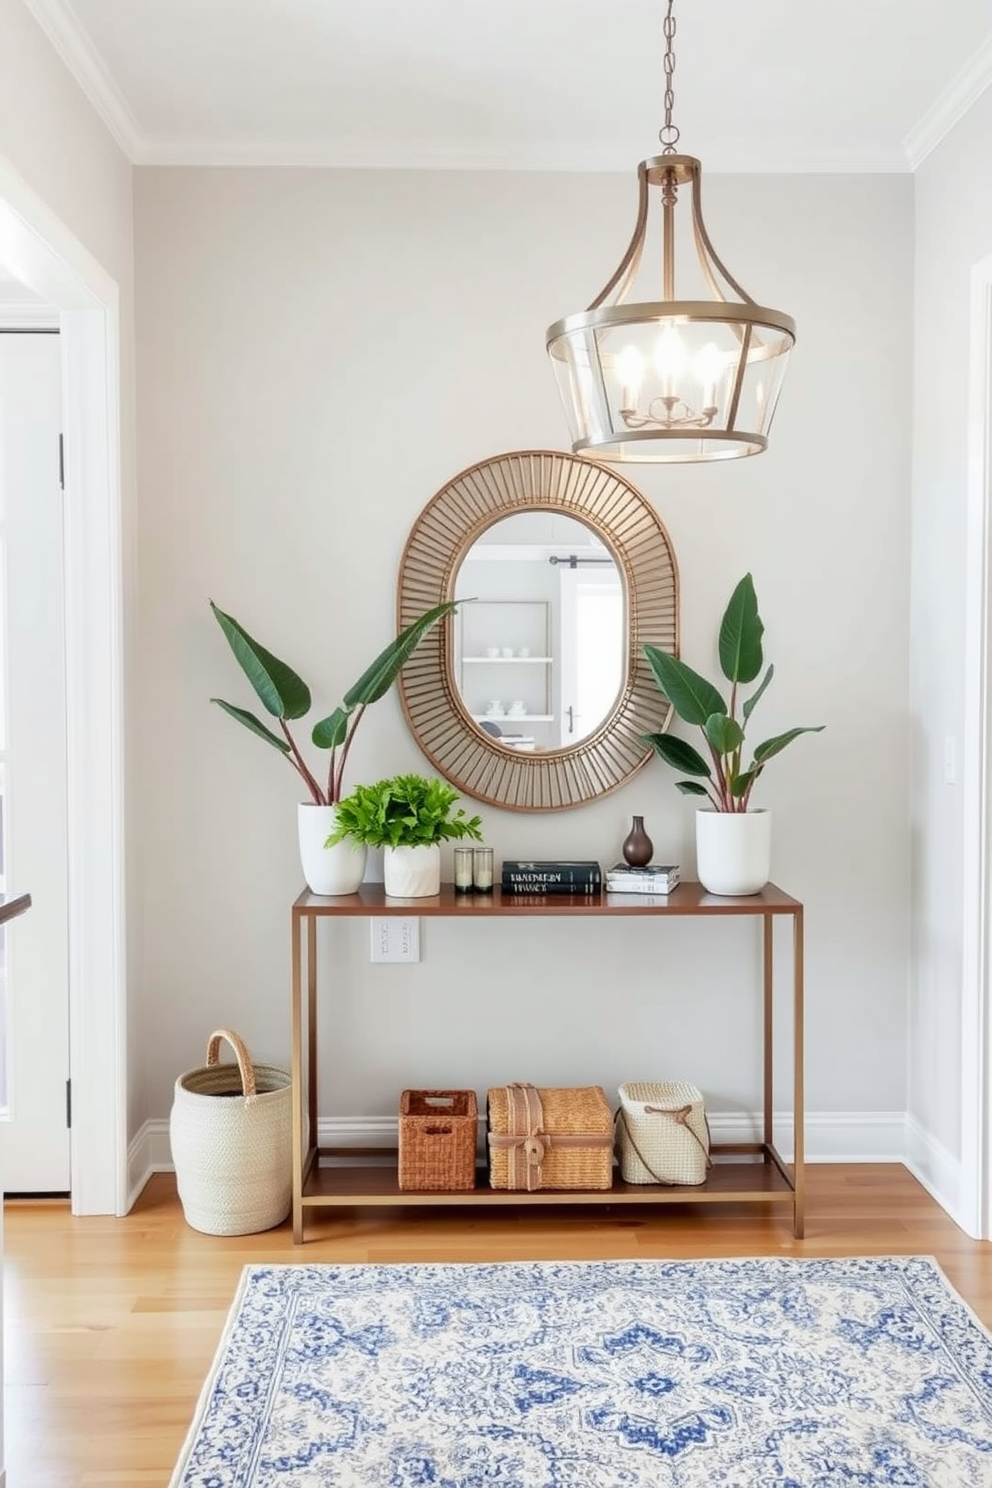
(535, 480)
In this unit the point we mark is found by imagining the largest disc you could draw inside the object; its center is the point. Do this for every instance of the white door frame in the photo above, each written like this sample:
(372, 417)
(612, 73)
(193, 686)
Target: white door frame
(976, 1023)
(39, 250)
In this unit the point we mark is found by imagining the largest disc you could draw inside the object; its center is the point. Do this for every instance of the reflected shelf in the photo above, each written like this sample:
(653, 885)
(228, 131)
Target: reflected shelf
(509, 660)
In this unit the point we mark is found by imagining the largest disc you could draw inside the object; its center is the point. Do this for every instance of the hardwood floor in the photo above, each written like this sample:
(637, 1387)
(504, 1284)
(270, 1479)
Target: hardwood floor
(111, 1324)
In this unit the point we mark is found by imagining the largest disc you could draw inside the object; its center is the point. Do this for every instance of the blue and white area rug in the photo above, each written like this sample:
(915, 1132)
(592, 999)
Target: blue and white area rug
(654, 1374)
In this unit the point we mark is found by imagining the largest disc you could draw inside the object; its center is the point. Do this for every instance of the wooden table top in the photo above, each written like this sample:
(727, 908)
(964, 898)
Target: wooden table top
(686, 899)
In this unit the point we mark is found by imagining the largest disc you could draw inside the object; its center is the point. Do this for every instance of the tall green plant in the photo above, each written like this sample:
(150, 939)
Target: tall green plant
(729, 782)
(286, 697)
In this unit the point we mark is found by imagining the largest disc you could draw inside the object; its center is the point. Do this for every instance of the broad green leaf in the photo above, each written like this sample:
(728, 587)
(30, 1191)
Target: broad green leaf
(749, 706)
(739, 783)
(377, 679)
(331, 731)
(775, 746)
(254, 724)
(692, 697)
(725, 734)
(281, 692)
(691, 788)
(678, 753)
(740, 634)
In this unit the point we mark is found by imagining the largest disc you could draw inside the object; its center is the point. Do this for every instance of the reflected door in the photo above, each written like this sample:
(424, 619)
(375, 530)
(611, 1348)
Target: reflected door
(35, 1022)
(592, 648)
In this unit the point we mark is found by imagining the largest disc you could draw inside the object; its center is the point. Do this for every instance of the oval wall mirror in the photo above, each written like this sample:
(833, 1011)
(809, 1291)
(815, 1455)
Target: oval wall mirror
(535, 694)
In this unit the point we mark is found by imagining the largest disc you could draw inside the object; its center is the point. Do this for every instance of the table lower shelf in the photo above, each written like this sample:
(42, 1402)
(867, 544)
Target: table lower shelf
(756, 1182)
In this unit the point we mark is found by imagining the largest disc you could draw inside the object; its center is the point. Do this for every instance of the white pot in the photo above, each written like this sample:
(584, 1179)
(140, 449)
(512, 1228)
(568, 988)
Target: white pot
(733, 851)
(412, 872)
(327, 870)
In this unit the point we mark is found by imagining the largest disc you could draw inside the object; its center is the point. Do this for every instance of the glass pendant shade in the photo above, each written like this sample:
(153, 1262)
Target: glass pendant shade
(669, 379)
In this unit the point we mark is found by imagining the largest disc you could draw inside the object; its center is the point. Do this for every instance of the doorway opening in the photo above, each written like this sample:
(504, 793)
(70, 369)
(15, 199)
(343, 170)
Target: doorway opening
(34, 972)
(38, 251)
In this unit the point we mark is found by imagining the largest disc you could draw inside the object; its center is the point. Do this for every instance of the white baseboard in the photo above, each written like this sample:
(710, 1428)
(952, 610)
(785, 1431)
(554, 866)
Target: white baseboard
(939, 1171)
(831, 1136)
(149, 1151)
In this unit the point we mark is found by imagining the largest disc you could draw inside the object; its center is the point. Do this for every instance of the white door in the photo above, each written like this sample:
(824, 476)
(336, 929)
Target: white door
(34, 976)
(593, 648)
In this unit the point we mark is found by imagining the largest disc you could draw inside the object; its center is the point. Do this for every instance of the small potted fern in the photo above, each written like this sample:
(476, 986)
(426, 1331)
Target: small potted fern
(409, 816)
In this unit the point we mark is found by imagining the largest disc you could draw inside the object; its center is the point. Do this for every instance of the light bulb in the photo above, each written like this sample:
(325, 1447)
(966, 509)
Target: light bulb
(630, 367)
(669, 360)
(708, 365)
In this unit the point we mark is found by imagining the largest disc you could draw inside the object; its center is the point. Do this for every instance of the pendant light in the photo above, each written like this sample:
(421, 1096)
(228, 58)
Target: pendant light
(671, 379)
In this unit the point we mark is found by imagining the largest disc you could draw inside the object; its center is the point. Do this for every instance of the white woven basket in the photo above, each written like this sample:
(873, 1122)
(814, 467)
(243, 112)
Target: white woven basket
(231, 1135)
(662, 1135)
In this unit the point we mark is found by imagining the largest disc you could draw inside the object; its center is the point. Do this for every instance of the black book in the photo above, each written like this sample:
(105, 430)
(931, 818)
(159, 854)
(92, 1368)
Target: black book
(543, 896)
(563, 877)
(546, 891)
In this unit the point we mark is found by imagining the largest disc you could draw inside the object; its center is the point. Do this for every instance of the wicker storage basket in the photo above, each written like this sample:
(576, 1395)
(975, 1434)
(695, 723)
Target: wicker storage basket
(231, 1135)
(662, 1135)
(438, 1130)
(550, 1138)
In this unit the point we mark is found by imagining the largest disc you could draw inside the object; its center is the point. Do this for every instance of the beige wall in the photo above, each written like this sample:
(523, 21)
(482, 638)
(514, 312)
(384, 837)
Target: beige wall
(318, 352)
(953, 232)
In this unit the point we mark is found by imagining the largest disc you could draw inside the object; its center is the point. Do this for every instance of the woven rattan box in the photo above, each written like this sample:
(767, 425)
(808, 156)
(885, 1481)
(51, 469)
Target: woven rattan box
(437, 1137)
(550, 1138)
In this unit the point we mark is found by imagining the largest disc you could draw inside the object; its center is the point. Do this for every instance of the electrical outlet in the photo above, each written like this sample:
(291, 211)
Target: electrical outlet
(395, 939)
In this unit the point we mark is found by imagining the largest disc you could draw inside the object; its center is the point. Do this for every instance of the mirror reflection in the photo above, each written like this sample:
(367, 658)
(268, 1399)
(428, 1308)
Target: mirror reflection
(540, 652)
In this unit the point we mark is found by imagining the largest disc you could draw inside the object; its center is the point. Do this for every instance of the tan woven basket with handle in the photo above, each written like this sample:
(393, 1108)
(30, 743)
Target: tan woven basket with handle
(231, 1135)
(662, 1133)
(438, 1131)
(550, 1138)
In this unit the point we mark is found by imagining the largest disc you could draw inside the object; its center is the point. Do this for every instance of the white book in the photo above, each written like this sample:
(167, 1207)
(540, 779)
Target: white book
(641, 895)
(641, 886)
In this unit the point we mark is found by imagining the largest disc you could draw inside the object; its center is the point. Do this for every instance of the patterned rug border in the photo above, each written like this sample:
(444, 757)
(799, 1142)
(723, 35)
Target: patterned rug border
(926, 1265)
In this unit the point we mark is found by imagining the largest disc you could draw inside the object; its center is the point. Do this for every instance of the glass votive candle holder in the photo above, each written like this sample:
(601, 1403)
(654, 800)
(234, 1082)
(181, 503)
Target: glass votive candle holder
(463, 870)
(482, 869)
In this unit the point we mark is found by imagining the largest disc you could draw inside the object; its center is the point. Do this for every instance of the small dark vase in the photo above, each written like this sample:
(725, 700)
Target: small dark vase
(637, 845)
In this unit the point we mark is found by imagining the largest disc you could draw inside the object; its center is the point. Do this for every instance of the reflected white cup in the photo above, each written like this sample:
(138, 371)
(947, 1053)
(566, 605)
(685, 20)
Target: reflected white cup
(507, 650)
(492, 650)
(524, 651)
(495, 708)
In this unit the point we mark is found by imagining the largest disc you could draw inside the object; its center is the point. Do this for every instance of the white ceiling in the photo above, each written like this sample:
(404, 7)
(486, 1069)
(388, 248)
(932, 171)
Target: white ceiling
(525, 84)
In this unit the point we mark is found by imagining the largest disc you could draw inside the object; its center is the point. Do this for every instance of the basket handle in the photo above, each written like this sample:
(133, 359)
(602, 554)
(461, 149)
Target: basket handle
(245, 1067)
(680, 1117)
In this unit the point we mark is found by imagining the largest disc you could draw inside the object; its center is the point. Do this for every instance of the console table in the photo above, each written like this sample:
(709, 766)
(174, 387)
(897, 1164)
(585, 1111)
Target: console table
(769, 1181)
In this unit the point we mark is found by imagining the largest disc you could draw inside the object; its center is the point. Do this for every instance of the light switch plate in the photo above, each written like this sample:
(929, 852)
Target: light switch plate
(395, 939)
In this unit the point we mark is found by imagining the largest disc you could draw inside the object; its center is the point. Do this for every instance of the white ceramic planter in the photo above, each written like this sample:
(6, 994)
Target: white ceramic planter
(733, 851)
(327, 870)
(412, 872)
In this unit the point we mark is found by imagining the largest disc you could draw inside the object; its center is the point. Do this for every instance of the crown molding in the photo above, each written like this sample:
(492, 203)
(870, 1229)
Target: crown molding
(964, 89)
(65, 32)
(731, 159)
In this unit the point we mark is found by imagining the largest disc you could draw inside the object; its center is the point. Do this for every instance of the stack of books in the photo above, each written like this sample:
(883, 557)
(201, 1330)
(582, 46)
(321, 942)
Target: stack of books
(553, 877)
(655, 878)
